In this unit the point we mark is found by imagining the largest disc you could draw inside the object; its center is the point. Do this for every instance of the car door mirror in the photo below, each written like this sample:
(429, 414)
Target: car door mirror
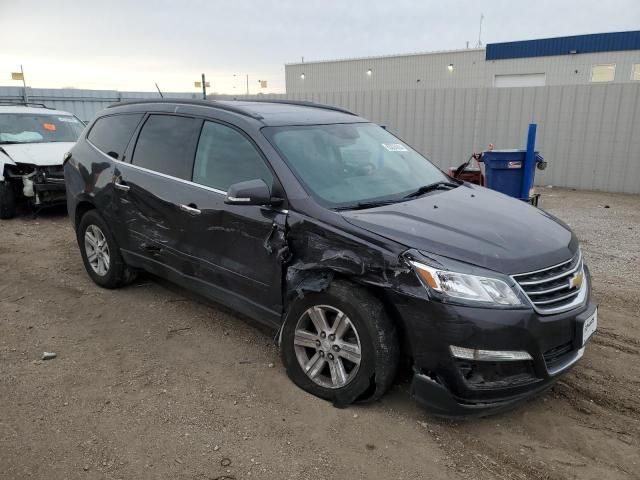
(251, 192)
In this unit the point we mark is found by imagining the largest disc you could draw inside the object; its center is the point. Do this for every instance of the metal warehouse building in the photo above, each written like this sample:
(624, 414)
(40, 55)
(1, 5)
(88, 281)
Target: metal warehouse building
(582, 91)
(584, 59)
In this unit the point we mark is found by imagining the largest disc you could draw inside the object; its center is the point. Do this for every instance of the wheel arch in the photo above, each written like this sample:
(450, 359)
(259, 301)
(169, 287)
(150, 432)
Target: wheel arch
(320, 279)
(381, 378)
(81, 209)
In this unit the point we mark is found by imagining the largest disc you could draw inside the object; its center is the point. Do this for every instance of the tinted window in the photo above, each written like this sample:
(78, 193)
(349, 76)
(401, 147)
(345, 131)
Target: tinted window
(166, 144)
(225, 157)
(112, 134)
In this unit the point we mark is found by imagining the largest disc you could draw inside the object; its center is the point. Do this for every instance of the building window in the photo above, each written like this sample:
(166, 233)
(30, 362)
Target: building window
(635, 72)
(603, 73)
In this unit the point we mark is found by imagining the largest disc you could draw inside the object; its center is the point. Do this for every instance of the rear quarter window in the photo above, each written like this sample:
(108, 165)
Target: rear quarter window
(111, 134)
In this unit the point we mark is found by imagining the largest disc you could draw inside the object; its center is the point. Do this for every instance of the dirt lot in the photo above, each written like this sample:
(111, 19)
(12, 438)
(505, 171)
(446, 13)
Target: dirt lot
(150, 382)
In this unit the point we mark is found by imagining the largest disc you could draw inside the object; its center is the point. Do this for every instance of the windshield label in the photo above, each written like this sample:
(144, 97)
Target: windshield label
(395, 147)
(67, 119)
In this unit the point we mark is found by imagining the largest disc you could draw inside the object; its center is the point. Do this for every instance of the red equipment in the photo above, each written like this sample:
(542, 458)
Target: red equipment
(468, 173)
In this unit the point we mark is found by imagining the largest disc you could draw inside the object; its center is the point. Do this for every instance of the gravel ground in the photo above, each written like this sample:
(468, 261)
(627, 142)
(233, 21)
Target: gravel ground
(150, 382)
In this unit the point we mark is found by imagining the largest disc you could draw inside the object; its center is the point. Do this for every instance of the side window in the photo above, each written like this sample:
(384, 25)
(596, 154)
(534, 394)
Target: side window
(225, 157)
(112, 134)
(166, 144)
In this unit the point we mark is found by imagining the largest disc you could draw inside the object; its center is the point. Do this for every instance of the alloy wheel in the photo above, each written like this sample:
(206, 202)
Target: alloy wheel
(97, 250)
(327, 346)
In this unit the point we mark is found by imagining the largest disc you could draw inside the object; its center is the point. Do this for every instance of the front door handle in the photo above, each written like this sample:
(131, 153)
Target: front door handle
(190, 209)
(121, 186)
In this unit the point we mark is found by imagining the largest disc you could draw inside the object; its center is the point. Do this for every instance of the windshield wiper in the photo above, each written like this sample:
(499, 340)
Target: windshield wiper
(431, 187)
(364, 205)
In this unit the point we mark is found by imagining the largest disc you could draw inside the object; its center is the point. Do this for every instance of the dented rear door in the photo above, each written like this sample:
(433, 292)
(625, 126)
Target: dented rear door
(154, 185)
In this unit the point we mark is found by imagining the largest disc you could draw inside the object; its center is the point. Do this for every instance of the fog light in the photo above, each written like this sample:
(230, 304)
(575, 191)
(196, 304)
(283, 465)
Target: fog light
(488, 355)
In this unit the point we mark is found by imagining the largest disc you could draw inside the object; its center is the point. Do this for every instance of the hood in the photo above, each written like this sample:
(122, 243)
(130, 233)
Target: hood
(474, 225)
(41, 154)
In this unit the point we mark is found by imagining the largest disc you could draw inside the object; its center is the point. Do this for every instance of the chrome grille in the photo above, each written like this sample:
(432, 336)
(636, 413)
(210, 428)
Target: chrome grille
(555, 289)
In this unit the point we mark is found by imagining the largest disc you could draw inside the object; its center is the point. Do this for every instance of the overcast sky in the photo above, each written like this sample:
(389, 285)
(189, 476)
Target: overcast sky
(111, 44)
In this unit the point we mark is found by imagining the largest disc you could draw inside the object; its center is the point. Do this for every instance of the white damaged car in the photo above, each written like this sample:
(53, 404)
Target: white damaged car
(33, 141)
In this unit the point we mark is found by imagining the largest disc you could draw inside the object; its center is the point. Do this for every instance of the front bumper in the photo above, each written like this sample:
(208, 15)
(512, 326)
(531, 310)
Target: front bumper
(438, 400)
(448, 386)
(49, 186)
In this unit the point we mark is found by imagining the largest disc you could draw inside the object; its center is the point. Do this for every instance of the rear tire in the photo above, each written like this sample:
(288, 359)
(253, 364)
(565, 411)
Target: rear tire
(7, 200)
(340, 344)
(100, 252)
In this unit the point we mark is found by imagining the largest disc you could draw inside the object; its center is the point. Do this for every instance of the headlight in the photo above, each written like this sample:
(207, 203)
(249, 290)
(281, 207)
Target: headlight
(470, 288)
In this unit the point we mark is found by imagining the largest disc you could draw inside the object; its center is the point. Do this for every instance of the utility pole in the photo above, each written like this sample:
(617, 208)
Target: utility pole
(204, 88)
(247, 84)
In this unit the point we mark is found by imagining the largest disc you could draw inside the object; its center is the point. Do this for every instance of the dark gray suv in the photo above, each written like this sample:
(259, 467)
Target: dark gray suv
(354, 248)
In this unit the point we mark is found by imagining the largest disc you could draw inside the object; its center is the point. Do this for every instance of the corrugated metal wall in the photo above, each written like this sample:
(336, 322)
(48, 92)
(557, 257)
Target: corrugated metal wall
(590, 134)
(86, 103)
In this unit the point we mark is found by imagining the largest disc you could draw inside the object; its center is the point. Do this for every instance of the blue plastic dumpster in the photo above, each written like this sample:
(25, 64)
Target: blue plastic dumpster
(506, 172)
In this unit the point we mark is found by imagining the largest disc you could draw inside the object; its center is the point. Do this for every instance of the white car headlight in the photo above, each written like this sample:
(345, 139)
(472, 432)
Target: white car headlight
(466, 287)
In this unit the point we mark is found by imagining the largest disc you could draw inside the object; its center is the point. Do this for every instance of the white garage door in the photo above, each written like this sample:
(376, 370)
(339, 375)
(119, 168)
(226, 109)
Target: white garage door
(520, 80)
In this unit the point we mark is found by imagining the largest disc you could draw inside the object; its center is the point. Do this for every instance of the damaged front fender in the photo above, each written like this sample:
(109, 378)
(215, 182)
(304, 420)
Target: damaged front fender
(5, 161)
(319, 252)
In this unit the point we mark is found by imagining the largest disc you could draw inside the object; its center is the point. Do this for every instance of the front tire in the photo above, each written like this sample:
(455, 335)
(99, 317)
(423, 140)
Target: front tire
(340, 344)
(100, 252)
(7, 200)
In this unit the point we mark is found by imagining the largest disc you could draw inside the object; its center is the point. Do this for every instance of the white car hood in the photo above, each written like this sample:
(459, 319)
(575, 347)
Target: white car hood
(41, 154)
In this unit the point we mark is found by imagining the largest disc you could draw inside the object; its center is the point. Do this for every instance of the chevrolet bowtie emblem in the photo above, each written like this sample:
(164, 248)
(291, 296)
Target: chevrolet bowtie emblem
(576, 280)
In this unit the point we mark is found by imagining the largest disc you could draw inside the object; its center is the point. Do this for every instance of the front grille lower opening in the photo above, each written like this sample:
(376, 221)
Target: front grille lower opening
(489, 375)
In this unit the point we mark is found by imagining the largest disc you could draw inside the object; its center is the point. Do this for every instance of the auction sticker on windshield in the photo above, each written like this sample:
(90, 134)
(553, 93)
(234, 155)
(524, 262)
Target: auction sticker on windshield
(589, 327)
(395, 147)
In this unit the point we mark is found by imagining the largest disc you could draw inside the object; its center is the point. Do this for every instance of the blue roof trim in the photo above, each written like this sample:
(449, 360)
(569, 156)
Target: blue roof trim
(597, 42)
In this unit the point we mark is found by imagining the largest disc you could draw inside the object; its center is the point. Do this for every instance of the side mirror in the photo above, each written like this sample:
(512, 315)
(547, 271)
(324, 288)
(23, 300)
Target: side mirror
(251, 192)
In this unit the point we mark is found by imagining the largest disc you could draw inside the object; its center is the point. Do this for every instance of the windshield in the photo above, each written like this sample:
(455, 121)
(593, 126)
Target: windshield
(344, 165)
(37, 128)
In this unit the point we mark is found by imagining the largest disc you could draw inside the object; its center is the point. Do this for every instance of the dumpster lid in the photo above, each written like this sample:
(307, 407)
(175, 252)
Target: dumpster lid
(505, 150)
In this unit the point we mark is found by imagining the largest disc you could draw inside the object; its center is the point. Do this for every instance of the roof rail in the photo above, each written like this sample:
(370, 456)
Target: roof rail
(303, 103)
(21, 103)
(201, 103)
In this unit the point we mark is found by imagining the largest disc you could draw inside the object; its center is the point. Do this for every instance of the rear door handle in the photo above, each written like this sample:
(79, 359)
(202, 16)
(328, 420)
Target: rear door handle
(121, 186)
(190, 209)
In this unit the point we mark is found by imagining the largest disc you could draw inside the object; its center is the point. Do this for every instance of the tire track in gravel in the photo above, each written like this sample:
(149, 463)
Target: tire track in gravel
(606, 337)
(477, 459)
